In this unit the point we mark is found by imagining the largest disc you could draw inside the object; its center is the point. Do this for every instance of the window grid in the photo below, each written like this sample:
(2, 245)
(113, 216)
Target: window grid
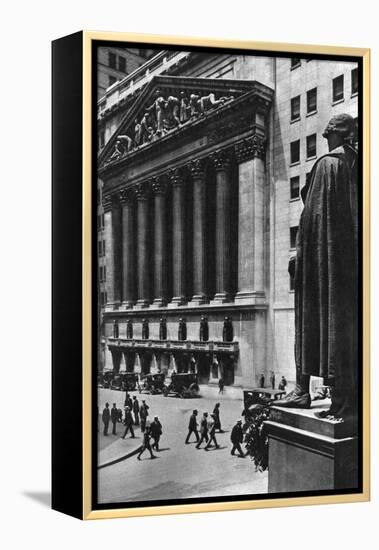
(338, 85)
(311, 146)
(312, 100)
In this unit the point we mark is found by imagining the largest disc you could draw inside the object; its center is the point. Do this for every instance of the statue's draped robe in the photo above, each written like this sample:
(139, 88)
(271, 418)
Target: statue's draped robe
(326, 275)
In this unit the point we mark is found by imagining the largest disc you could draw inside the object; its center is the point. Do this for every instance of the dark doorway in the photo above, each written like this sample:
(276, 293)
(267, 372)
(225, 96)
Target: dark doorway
(203, 368)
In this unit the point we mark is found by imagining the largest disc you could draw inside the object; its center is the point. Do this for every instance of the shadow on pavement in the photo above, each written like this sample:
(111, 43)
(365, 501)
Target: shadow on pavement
(42, 497)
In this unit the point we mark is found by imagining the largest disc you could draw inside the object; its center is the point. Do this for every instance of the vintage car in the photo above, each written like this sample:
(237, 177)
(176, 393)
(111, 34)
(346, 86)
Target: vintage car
(255, 399)
(182, 385)
(99, 380)
(152, 383)
(107, 378)
(124, 381)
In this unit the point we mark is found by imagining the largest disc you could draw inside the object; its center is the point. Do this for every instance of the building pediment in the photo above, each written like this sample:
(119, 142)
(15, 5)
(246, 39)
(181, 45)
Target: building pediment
(171, 104)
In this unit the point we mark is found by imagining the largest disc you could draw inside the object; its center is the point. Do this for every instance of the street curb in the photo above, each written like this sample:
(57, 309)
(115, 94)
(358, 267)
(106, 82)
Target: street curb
(120, 459)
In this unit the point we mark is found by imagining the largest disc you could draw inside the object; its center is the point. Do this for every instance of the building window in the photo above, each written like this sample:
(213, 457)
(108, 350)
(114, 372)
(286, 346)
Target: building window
(295, 151)
(293, 233)
(295, 62)
(100, 248)
(121, 64)
(295, 187)
(295, 108)
(311, 146)
(112, 60)
(338, 88)
(354, 82)
(312, 101)
(111, 80)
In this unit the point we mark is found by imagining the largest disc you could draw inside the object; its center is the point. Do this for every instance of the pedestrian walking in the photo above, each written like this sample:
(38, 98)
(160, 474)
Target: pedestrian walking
(128, 421)
(128, 401)
(144, 413)
(262, 380)
(136, 410)
(114, 417)
(272, 380)
(236, 437)
(216, 413)
(192, 427)
(146, 444)
(203, 430)
(156, 432)
(282, 384)
(212, 434)
(106, 418)
(221, 385)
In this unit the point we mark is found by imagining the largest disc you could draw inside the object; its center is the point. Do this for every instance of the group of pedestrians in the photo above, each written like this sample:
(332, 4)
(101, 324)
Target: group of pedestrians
(136, 414)
(209, 424)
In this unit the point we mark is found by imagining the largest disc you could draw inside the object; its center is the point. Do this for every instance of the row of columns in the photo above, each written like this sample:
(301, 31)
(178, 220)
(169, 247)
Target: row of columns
(119, 245)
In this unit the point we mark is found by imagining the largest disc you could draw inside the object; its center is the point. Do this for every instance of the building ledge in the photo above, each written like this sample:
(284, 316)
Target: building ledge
(172, 345)
(189, 307)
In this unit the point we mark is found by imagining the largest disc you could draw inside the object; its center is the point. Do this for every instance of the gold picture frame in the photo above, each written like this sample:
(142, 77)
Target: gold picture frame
(87, 511)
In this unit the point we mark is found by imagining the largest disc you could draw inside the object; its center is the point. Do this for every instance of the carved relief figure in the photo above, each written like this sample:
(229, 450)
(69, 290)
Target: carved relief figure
(165, 114)
(204, 329)
(227, 333)
(145, 329)
(163, 329)
(182, 330)
(184, 108)
(129, 329)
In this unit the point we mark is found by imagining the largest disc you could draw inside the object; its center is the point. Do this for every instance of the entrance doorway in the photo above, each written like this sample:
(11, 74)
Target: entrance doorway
(203, 368)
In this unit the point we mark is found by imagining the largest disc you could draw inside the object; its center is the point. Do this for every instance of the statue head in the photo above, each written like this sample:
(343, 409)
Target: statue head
(339, 130)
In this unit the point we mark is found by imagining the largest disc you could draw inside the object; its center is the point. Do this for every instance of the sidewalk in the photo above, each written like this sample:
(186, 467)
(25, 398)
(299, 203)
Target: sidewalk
(112, 448)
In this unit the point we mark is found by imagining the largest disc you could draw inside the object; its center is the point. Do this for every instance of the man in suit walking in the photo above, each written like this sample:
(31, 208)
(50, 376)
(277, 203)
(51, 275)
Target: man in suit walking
(136, 410)
(236, 437)
(146, 444)
(203, 430)
(106, 418)
(192, 427)
(114, 417)
(144, 413)
(156, 432)
(128, 423)
(212, 433)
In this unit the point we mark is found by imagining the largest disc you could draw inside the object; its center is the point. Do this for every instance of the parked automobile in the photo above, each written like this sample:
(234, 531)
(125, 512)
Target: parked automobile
(182, 385)
(124, 381)
(107, 378)
(152, 383)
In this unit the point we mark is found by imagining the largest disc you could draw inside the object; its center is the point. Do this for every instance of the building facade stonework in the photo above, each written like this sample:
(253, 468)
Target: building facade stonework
(200, 202)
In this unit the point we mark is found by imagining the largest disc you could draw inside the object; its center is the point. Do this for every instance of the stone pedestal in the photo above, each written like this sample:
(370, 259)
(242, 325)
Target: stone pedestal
(310, 454)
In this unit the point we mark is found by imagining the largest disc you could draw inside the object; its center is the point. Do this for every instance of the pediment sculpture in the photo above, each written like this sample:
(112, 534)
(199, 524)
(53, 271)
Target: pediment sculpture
(164, 113)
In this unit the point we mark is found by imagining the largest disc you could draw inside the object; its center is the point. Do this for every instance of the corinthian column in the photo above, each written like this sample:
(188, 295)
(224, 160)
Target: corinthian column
(109, 256)
(112, 230)
(221, 162)
(128, 264)
(178, 244)
(143, 271)
(160, 244)
(251, 181)
(197, 169)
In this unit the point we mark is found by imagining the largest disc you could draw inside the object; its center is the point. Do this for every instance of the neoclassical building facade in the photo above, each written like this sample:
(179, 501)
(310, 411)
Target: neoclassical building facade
(198, 202)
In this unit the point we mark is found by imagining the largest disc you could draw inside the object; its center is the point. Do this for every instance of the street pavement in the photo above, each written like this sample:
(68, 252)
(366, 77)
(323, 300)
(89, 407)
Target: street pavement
(180, 470)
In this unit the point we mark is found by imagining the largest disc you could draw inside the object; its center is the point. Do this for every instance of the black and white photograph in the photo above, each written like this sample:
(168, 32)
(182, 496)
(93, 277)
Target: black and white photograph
(228, 274)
